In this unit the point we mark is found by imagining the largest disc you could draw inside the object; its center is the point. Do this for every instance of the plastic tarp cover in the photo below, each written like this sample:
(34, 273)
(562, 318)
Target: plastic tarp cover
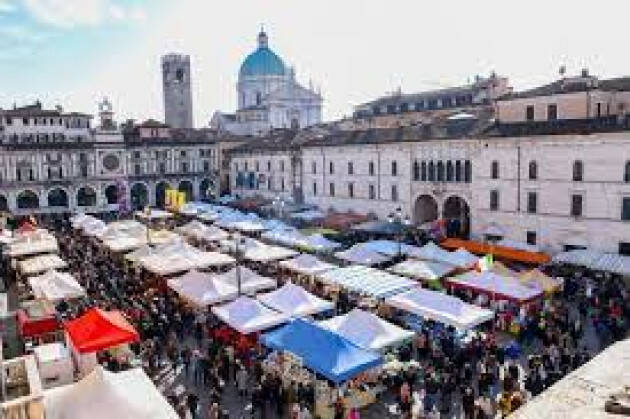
(420, 269)
(294, 300)
(54, 286)
(202, 289)
(248, 315)
(367, 330)
(322, 351)
(440, 307)
(306, 264)
(97, 330)
(251, 282)
(360, 255)
(502, 287)
(367, 281)
(105, 395)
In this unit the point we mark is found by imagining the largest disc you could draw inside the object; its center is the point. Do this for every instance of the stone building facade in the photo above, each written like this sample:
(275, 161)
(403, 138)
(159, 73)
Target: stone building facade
(177, 91)
(552, 182)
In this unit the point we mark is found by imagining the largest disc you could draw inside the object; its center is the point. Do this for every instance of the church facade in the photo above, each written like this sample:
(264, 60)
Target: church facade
(269, 97)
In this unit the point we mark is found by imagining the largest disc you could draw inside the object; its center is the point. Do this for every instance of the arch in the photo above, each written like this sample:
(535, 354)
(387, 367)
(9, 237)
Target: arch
(111, 194)
(456, 212)
(27, 199)
(425, 209)
(86, 197)
(160, 193)
(206, 189)
(4, 204)
(57, 197)
(139, 196)
(186, 186)
(533, 170)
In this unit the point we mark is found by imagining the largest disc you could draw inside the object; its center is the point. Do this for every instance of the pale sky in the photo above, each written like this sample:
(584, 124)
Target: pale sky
(73, 52)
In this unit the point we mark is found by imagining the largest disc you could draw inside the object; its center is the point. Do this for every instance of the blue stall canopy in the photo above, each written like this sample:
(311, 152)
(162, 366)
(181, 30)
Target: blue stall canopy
(321, 350)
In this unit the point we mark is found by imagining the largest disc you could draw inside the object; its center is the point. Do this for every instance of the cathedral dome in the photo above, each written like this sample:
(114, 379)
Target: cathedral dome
(263, 61)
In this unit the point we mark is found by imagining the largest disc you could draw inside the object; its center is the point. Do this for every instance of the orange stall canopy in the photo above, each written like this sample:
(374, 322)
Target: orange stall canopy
(499, 252)
(98, 330)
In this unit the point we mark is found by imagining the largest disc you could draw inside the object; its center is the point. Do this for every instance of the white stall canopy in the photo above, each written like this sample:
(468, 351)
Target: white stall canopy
(251, 282)
(421, 269)
(55, 285)
(202, 289)
(307, 265)
(248, 315)
(362, 256)
(294, 300)
(41, 263)
(367, 281)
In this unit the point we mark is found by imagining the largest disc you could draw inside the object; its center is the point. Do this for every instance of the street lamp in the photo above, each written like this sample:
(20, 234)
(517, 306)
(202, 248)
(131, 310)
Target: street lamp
(396, 218)
(238, 253)
(278, 202)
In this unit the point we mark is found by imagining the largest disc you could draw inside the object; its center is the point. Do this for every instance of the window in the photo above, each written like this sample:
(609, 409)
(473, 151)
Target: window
(314, 167)
(576, 205)
(282, 165)
(136, 154)
(419, 106)
(599, 110)
(494, 200)
(404, 107)
(350, 168)
(162, 168)
(533, 170)
(24, 121)
(236, 166)
(440, 171)
(416, 170)
(532, 202)
(183, 153)
(269, 183)
(624, 248)
(371, 168)
(246, 164)
(184, 167)
(394, 168)
(314, 188)
(282, 184)
(531, 238)
(372, 192)
(423, 171)
(257, 166)
(552, 112)
(331, 189)
(578, 171)
(136, 170)
(529, 113)
(269, 165)
(391, 109)
(394, 193)
(626, 175)
(206, 166)
(431, 172)
(351, 189)
(625, 209)
(331, 168)
(467, 171)
(449, 171)
(9, 120)
(458, 171)
(494, 170)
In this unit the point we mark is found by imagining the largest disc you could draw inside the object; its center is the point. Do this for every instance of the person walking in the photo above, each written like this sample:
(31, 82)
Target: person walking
(241, 381)
(192, 401)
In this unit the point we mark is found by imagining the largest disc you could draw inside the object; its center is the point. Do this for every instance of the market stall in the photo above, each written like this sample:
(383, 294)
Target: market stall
(265, 253)
(54, 364)
(437, 306)
(247, 315)
(151, 214)
(107, 395)
(597, 261)
(97, 330)
(54, 286)
(318, 243)
(367, 330)
(389, 247)
(367, 281)
(287, 236)
(202, 289)
(36, 318)
(42, 263)
(306, 264)
(499, 252)
(538, 279)
(38, 242)
(496, 287)
(360, 255)
(423, 270)
(140, 253)
(251, 282)
(295, 301)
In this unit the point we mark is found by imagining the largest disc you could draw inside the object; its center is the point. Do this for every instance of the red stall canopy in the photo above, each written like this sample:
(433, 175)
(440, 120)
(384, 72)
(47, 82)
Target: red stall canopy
(36, 320)
(98, 330)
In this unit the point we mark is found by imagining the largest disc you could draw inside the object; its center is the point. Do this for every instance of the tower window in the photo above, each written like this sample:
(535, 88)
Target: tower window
(179, 75)
(578, 171)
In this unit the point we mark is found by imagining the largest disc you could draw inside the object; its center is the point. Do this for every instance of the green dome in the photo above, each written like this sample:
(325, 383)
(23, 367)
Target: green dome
(263, 61)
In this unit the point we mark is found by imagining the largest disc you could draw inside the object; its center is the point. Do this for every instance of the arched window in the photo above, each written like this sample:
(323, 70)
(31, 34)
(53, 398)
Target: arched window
(431, 172)
(626, 175)
(533, 170)
(416, 170)
(449, 171)
(423, 171)
(440, 171)
(458, 171)
(494, 171)
(467, 171)
(578, 171)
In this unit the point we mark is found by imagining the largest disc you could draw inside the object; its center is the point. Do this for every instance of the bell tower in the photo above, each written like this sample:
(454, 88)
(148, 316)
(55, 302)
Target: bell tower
(176, 84)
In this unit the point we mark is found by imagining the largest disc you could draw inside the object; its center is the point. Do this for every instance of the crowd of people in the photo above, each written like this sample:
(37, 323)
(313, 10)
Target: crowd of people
(483, 376)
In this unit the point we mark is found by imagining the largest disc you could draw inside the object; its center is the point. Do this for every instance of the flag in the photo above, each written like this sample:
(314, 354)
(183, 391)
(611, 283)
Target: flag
(485, 263)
